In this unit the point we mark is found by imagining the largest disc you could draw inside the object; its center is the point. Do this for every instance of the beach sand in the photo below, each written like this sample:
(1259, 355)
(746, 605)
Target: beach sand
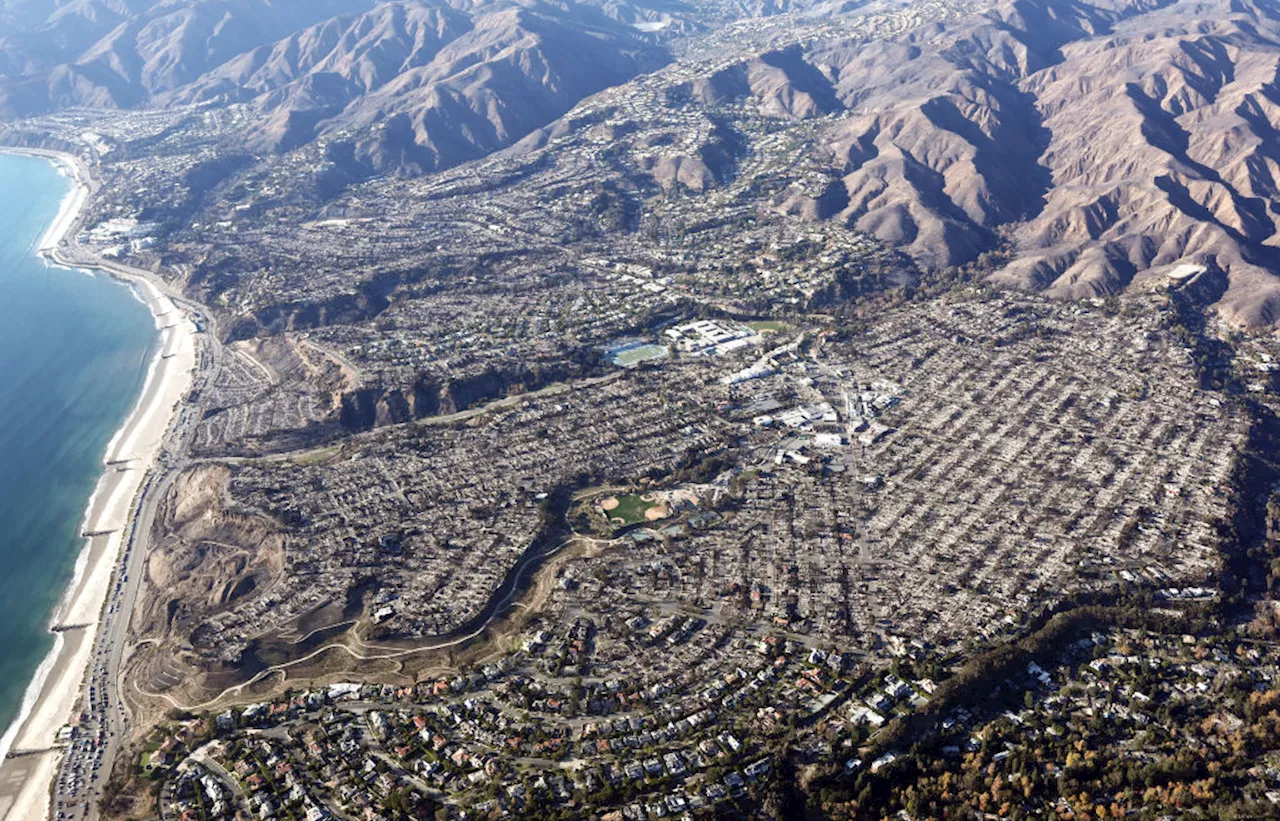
(26, 781)
(24, 785)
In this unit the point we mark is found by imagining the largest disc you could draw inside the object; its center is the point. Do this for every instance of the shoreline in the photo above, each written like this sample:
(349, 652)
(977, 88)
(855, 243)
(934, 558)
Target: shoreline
(53, 698)
(67, 209)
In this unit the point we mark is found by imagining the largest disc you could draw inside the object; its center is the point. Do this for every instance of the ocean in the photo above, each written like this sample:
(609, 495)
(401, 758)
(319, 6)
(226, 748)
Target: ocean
(74, 351)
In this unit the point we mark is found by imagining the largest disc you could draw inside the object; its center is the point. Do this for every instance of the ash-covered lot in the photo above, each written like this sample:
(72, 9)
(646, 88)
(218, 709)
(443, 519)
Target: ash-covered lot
(829, 501)
(929, 476)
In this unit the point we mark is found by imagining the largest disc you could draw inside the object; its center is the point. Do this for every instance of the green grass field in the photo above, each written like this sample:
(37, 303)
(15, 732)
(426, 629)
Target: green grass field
(631, 510)
(644, 353)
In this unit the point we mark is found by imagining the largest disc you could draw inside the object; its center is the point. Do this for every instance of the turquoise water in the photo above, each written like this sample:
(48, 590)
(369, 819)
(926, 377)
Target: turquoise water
(74, 350)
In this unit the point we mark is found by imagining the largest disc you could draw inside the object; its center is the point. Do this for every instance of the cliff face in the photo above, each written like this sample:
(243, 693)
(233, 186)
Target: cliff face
(213, 557)
(372, 407)
(300, 316)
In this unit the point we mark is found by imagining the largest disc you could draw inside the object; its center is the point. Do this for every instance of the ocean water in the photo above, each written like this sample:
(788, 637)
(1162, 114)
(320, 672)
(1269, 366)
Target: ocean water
(74, 350)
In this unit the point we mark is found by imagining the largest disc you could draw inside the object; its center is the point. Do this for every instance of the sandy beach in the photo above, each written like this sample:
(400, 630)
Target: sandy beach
(53, 698)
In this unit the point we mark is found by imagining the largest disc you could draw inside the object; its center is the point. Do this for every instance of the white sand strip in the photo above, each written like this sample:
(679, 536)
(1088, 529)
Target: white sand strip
(25, 783)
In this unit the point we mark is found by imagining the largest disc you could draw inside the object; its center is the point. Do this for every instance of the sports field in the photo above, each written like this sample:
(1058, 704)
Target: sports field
(635, 354)
(634, 508)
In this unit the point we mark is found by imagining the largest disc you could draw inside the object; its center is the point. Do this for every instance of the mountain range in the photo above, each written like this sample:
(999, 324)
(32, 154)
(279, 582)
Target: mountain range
(1099, 145)
(1095, 145)
(428, 84)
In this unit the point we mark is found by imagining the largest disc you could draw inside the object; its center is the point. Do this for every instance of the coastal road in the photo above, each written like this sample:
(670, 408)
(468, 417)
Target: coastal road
(83, 774)
(106, 721)
(81, 780)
